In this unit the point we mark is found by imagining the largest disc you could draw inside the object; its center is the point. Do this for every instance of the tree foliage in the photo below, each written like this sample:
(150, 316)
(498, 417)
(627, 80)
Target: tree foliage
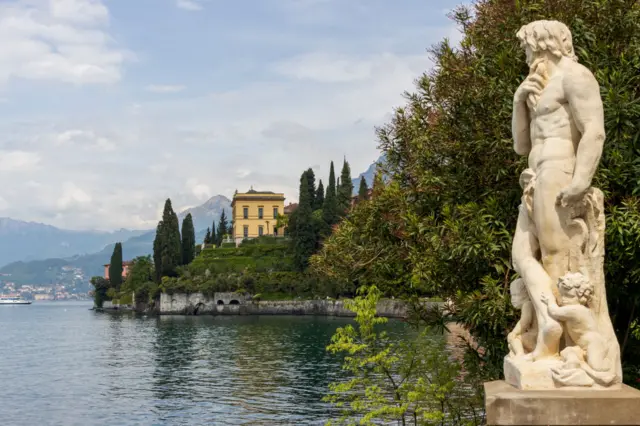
(115, 267)
(319, 198)
(454, 175)
(188, 240)
(330, 207)
(303, 234)
(363, 190)
(345, 189)
(311, 185)
(167, 246)
(412, 383)
(140, 279)
(101, 286)
(223, 227)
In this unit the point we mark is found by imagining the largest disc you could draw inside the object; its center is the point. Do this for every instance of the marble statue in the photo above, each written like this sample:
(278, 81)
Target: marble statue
(558, 245)
(523, 337)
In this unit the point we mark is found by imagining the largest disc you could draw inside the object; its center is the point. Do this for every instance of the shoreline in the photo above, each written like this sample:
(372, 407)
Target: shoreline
(234, 304)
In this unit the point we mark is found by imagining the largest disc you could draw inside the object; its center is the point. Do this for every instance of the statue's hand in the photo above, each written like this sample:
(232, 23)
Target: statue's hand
(570, 195)
(534, 83)
(544, 299)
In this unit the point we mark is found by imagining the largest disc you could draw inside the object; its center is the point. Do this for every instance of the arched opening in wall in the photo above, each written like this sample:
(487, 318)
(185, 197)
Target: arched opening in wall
(197, 308)
(220, 302)
(234, 302)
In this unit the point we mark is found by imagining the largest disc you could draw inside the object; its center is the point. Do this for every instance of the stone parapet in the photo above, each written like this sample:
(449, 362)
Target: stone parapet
(200, 304)
(506, 405)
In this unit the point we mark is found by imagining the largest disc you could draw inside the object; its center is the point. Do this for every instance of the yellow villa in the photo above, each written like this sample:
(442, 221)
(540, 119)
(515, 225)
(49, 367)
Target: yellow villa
(255, 214)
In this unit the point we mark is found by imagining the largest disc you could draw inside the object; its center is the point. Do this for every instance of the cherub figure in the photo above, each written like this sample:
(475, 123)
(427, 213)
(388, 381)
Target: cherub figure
(522, 338)
(575, 294)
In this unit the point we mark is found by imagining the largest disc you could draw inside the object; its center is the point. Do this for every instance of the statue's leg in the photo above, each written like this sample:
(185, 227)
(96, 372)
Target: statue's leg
(524, 253)
(597, 356)
(551, 221)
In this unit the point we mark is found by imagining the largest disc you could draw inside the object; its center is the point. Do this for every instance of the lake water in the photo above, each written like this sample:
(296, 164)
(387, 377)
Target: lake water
(62, 364)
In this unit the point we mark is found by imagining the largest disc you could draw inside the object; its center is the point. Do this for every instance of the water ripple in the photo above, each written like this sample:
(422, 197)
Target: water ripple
(65, 365)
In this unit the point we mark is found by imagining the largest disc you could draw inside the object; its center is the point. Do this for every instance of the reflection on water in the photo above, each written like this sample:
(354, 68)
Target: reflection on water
(65, 365)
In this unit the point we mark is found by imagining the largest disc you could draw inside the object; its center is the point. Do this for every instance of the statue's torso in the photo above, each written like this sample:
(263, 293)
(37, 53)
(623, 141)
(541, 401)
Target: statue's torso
(554, 137)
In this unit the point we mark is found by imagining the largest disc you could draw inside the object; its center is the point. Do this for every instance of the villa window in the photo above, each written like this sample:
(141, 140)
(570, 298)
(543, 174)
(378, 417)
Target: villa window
(260, 212)
(246, 231)
(275, 212)
(245, 212)
(260, 231)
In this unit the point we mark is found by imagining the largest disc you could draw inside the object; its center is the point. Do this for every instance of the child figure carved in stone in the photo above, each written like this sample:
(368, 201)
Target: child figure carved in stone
(522, 338)
(575, 293)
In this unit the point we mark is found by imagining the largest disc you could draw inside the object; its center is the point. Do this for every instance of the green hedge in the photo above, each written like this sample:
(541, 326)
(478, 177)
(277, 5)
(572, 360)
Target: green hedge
(294, 284)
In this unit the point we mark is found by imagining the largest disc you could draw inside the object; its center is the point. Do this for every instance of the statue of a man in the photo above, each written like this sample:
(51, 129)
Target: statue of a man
(558, 122)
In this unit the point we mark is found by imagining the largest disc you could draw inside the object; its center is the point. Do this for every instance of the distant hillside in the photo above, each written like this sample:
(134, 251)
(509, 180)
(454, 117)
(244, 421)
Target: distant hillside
(44, 271)
(205, 214)
(369, 174)
(27, 241)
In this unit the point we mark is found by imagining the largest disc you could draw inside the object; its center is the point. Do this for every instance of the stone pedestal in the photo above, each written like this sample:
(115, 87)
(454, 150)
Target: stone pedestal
(506, 405)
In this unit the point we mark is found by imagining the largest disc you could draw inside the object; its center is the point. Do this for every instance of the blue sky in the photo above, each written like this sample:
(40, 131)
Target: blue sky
(108, 107)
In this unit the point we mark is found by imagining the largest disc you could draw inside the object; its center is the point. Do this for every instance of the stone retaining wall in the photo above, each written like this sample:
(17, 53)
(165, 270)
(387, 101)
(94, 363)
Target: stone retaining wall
(200, 304)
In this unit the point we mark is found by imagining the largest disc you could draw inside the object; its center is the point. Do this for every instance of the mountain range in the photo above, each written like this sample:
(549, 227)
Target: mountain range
(21, 240)
(35, 253)
(134, 243)
(369, 175)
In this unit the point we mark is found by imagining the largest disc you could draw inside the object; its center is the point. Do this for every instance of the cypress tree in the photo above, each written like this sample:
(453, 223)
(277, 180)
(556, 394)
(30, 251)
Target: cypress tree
(378, 182)
(223, 225)
(157, 251)
(188, 240)
(304, 237)
(330, 208)
(207, 236)
(212, 238)
(345, 189)
(319, 198)
(230, 230)
(115, 267)
(170, 244)
(363, 191)
(311, 185)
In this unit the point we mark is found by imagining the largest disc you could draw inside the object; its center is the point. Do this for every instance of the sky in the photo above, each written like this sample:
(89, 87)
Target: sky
(108, 107)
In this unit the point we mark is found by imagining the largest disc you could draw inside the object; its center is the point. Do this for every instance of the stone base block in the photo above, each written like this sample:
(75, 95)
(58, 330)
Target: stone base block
(506, 405)
(525, 375)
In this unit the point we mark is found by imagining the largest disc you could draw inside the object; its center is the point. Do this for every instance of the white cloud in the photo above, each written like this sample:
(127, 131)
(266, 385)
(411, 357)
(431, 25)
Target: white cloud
(3, 204)
(199, 190)
(18, 161)
(188, 5)
(243, 173)
(86, 139)
(165, 88)
(261, 134)
(80, 11)
(117, 154)
(66, 41)
(325, 67)
(72, 196)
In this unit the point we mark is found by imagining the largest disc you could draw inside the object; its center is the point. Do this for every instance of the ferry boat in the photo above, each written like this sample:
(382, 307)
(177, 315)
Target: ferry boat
(13, 301)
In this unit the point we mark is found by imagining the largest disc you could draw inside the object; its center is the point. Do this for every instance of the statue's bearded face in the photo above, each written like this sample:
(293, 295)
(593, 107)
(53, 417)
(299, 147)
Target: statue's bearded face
(531, 55)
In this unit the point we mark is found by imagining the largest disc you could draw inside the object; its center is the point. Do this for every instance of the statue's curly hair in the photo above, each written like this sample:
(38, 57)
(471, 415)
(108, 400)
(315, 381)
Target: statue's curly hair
(552, 36)
(584, 287)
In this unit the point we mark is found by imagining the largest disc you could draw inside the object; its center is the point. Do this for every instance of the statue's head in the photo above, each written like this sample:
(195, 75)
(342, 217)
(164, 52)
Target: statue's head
(553, 37)
(575, 288)
(519, 294)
